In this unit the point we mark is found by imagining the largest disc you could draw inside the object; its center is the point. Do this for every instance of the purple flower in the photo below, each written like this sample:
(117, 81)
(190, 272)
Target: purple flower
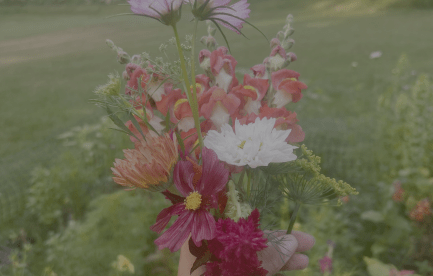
(165, 11)
(219, 11)
(325, 264)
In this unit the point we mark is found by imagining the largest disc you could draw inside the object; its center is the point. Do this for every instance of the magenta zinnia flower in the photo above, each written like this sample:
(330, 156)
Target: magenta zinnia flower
(165, 11)
(219, 11)
(199, 187)
(236, 245)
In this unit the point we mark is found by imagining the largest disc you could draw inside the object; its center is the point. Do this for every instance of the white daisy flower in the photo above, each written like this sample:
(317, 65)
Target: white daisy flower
(256, 144)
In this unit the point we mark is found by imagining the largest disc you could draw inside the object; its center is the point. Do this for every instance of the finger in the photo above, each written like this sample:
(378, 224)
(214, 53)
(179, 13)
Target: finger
(296, 262)
(305, 241)
(278, 252)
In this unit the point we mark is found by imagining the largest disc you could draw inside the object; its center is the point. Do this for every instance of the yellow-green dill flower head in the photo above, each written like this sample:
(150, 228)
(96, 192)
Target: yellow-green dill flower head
(111, 88)
(309, 186)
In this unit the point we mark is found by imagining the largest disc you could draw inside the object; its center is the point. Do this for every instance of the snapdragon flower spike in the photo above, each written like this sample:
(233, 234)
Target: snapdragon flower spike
(277, 59)
(223, 69)
(199, 187)
(259, 71)
(183, 114)
(219, 11)
(217, 106)
(284, 120)
(167, 12)
(288, 88)
(137, 80)
(251, 94)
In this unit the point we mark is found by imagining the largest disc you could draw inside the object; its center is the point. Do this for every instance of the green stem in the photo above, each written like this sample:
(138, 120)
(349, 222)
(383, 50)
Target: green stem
(194, 87)
(192, 103)
(248, 183)
(293, 217)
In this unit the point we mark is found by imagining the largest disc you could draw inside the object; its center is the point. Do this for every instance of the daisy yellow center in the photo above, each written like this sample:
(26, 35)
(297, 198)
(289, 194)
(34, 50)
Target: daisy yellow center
(193, 201)
(242, 144)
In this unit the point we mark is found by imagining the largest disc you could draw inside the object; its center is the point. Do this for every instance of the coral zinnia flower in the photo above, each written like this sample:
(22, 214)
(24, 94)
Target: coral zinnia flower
(165, 11)
(149, 165)
(199, 187)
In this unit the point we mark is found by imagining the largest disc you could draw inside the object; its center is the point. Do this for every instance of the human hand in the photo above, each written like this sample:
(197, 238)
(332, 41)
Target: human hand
(280, 255)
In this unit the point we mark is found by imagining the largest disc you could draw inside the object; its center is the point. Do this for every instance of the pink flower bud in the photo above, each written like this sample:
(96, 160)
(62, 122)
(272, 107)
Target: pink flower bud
(292, 56)
(274, 43)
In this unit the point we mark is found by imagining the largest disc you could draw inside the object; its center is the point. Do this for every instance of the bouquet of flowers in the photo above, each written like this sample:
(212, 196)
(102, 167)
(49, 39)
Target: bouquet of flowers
(220, 151)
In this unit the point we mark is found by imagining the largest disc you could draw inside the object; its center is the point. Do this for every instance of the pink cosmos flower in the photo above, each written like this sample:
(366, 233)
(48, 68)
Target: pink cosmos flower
(236, 245)
(199, 187)
(165, 11)
(218, 11)
(223, 67)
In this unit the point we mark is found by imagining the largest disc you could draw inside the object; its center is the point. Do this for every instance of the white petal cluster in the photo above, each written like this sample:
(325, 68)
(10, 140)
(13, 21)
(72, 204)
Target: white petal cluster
(256, 144)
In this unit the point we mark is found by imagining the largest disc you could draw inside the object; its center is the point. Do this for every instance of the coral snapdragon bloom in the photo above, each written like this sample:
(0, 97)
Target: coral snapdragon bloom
(149, 165)
(199, 187)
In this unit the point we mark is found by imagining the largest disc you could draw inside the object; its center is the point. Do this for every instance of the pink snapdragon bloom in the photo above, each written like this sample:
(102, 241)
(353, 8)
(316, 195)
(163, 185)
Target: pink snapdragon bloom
(223, 67)
(165, 11)
(217, 106)
(251, 94)
(218, 11)
(288, 87)
(236, 245)
(199, 187)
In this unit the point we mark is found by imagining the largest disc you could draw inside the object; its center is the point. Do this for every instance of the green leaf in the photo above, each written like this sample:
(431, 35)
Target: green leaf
(119, 122)
(280, 168)
(221, 31)
(136, 124)
(373, 216)
(377, 268)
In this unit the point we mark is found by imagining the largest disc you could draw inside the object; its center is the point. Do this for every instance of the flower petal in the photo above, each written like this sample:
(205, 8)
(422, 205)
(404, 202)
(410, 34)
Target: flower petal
(203, 228)
(183, 175)
(165, 215)
(177, 234)
(214, 174)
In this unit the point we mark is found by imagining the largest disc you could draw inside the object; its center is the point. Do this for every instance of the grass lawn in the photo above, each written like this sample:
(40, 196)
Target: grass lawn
(53, 57)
